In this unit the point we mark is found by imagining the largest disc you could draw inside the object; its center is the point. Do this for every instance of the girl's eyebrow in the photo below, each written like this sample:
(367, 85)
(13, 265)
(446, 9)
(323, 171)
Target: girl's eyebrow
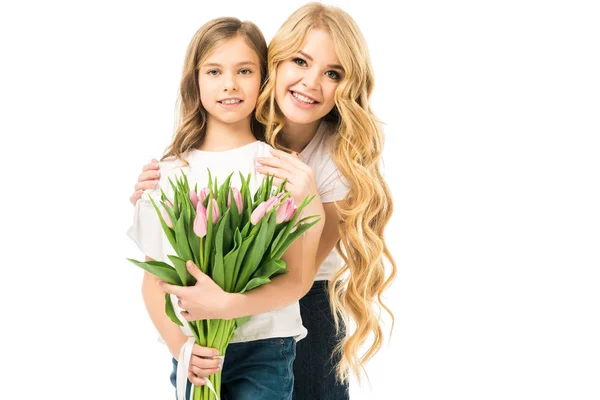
(334, 66)
(237, 65)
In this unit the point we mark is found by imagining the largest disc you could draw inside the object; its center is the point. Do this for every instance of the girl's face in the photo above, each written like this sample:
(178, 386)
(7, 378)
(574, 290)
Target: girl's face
(229, 80)
(306, 83)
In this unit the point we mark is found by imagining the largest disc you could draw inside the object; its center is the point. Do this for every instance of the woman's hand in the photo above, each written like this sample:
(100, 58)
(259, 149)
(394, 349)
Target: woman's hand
(204, 300)
(148, 179)
(204, 362)
(300, 177)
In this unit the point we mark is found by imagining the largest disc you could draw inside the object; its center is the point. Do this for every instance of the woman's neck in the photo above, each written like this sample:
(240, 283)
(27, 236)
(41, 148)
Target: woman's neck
(297, 136)
(221, 136)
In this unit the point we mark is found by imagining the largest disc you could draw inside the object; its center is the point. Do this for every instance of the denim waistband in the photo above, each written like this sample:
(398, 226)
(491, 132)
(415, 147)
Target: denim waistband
(318, 287)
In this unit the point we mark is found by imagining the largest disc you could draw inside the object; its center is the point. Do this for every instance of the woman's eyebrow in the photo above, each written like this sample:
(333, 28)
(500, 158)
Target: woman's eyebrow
(334, 66)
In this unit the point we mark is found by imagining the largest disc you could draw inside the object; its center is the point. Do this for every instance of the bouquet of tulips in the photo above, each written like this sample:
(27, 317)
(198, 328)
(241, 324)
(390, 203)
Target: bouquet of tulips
(235, 237)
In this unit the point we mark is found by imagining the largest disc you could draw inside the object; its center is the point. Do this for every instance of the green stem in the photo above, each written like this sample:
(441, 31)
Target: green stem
(220, 341)
(201, 256)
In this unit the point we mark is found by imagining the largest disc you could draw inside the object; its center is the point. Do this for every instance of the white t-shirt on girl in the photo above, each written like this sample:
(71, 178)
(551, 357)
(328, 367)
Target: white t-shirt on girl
(148, 234)
(332, 186)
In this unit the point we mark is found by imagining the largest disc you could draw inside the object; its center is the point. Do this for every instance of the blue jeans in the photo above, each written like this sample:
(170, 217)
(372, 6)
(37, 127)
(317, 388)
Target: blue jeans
(260, 369)
(314, 367)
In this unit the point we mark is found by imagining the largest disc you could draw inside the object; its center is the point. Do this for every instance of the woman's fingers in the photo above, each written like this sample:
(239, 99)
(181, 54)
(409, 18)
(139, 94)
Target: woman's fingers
(136, 196)
(276, 172)
(153, 164)
(290, 158)
(146, 185)
(275, 163)
(149, 175)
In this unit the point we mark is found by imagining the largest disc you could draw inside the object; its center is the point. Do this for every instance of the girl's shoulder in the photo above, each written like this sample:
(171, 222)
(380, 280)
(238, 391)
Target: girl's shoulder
(263, 149)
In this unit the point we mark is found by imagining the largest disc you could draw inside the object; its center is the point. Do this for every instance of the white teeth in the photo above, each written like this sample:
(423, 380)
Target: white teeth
(303, 98)
(231, 101)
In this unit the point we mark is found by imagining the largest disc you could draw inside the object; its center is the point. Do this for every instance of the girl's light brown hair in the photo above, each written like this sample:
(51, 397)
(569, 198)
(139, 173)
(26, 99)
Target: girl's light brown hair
(191, 126)
(357, 143)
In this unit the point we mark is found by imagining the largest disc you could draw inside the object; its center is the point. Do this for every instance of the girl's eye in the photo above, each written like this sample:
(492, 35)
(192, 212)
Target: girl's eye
(333, 75)
(301, 62)
(245, 71)
(213, 72)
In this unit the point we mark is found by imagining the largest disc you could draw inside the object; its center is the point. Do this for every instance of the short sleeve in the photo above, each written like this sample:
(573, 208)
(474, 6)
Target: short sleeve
(146, 230)
(333, 186)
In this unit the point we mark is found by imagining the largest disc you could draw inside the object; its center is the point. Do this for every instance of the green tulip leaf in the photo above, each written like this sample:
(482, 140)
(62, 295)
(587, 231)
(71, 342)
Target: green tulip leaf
(255, 282)
(170, 310)
(159, 269)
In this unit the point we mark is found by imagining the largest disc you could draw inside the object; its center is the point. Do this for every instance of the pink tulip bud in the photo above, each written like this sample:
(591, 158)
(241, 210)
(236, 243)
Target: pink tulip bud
(237, 197)
(200, 208)
(200, 222)
(203, 194)
(286, 211)
(272, 203)
(166, 215)
(215, 211)
(194, 198)
(258, 213)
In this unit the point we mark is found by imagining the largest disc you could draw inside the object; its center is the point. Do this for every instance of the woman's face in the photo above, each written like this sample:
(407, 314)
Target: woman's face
(306, 83)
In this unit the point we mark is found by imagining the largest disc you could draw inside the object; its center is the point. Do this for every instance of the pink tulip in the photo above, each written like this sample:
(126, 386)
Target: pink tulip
(166, 215)
(237, 197)
(258, 213)
(194, 198)
(286, 211)
(272, 202)
(203, 194)
(200, 222)
(215, 211)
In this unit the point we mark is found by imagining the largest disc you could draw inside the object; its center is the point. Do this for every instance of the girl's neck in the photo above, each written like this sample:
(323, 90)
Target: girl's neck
(221, 136)
(297, 136)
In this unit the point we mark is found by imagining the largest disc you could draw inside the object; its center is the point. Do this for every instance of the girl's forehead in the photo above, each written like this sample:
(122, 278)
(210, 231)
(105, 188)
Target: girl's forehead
(233, 50)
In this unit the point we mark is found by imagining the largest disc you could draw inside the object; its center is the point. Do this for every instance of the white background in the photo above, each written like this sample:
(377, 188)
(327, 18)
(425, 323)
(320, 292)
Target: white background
(492, 123)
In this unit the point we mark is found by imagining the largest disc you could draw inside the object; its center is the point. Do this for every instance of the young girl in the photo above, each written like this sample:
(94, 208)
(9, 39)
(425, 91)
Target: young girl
(224, 69)
(316, 103)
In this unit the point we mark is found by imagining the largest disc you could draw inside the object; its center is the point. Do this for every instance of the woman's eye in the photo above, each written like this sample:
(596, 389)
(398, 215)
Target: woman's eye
(245, 71)
(300, 61)
(213, 72)
(333, 75)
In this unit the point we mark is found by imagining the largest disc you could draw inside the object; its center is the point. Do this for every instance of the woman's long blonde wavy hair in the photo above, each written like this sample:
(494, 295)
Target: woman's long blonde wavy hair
(356, 290)
(191, 126)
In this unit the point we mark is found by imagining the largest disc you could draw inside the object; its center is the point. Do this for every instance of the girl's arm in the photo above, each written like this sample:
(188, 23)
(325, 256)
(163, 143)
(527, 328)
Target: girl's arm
(206, 300)
(154, 299)
(285, 289)
(202, 363)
